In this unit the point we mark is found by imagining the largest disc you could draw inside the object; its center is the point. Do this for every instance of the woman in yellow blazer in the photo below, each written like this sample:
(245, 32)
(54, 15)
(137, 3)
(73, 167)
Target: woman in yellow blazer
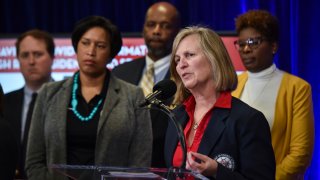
(283, 98)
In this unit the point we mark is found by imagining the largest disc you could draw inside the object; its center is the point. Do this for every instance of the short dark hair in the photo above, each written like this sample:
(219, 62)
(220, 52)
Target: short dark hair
(260, 20)
(89, 22)
(40, 35)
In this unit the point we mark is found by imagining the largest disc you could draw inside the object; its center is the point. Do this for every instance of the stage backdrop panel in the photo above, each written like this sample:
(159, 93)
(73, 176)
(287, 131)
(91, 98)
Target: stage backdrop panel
(65, 63)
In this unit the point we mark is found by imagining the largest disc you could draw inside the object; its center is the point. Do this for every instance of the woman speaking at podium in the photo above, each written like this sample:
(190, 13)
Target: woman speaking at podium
(226, 138)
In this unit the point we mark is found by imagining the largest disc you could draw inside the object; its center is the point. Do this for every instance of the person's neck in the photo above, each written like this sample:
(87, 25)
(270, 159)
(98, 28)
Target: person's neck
(35, 86)
(91, 86)
(265, 73)
(205, 96)
(155, 58)
(92, 82)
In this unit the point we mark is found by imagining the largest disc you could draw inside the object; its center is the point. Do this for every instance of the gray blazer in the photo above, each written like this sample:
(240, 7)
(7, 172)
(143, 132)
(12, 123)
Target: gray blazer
(124, 135)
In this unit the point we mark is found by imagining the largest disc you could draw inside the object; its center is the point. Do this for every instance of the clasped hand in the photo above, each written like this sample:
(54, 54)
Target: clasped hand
(201, 163)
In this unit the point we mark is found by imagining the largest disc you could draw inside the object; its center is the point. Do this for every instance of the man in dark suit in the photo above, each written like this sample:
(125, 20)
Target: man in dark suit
(8, 146)
(162, 23)
(35, 52)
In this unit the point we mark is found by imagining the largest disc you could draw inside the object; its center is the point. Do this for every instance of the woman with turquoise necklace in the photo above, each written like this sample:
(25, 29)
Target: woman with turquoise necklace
(92, 118)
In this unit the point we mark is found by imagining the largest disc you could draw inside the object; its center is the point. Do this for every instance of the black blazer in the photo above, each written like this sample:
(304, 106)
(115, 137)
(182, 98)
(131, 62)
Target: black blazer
(8, 150)
(240, 135)
(13, 103)
(132, 72)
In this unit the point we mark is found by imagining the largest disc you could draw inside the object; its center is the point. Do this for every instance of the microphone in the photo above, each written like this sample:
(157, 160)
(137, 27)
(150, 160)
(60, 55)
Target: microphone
(161, 91)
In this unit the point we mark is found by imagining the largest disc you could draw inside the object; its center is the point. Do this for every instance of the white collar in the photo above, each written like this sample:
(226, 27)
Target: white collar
(27, 91)
(165, 61)
(266, 73)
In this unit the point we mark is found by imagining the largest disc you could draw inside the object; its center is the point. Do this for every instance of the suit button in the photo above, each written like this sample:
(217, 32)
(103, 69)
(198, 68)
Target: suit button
(17, 172)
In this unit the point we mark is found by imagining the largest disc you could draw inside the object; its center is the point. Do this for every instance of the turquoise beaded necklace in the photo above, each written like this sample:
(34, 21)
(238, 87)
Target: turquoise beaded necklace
(74, 102)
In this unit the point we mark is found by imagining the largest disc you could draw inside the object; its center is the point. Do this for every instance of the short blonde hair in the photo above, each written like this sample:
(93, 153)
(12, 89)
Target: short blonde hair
(224, 74)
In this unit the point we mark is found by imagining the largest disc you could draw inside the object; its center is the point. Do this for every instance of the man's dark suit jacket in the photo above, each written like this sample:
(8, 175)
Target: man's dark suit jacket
(238, 137)
(132, 73)
(8, 150)
(13, 103)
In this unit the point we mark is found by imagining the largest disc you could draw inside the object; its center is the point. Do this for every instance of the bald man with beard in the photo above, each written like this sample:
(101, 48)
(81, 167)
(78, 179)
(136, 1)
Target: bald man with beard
(162, 23)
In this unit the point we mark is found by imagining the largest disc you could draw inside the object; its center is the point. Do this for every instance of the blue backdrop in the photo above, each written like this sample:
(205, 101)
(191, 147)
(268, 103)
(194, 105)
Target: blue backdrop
(299, 42)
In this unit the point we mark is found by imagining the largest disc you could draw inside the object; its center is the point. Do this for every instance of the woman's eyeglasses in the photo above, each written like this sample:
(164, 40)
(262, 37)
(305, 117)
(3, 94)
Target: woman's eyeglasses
(252, 43)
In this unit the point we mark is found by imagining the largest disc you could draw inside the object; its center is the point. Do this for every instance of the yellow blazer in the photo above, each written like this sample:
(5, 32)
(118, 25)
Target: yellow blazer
(293, 129)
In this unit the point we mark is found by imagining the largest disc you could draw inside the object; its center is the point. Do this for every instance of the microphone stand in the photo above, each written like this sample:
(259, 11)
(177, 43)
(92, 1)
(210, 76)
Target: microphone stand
(178, 127)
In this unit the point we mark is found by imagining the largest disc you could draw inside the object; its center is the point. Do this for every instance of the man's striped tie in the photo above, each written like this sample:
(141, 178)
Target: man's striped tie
(147, 81)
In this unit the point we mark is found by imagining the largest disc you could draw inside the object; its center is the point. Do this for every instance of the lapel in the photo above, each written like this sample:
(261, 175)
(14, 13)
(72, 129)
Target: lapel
(168, 74)
(172, 135)
(133, 71)
(61, 104)
(12, 110)
(213, 131)
(242, 79)
(110, 101)
(18, 112)
(138, 70)
(156, 113)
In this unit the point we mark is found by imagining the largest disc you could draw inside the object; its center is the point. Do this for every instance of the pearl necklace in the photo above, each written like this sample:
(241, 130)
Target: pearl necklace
(74, 102)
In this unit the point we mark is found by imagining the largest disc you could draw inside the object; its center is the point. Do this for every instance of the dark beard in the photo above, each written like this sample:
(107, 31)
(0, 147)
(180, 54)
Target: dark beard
(159, 52)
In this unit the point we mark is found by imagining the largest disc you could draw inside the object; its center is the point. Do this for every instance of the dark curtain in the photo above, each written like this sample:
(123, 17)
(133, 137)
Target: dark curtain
(300, 28)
